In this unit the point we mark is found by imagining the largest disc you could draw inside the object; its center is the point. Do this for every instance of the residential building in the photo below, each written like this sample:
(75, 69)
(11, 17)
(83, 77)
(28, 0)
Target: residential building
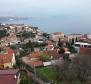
(83, 45)
(12, 39)
(33, 59)
(10, 76)
(49, 47)
(83, 48)
(74, 36)
(7, 58)
(89, 36)
(56, 36)
(85, 51)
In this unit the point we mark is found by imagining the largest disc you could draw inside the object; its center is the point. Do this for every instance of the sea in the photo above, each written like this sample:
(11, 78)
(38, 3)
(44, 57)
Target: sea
(45, 24)
(54, 24)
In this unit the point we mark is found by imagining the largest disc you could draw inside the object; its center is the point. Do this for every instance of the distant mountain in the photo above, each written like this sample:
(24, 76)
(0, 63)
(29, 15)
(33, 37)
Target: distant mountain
(9, 18)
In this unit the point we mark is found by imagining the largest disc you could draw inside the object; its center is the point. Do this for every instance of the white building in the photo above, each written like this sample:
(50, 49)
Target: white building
(71, 36)
(89, 36)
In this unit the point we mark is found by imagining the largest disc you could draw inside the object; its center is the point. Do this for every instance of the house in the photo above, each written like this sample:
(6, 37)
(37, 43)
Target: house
(83, 48)
(74, 36)
(33, 59)
(9, 76)
(88, 36)
(35, 64)
(32, 62)
(12, 39)
(7, 58)
(82, 44)
(50, 45)
(86, 51)
(56, 36)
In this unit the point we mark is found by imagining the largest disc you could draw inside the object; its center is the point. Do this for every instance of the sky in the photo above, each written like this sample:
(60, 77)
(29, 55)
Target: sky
(54, 15)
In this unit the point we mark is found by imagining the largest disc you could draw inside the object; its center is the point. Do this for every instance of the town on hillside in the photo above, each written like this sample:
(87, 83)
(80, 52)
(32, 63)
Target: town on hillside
(29, 55)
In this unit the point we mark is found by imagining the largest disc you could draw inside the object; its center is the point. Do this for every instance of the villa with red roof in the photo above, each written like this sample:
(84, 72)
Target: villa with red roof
(7, 58)
(33, 59)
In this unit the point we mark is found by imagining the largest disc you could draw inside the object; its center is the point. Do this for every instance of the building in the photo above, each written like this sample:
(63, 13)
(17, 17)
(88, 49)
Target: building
(9, 76)
(49, 47)
(85, 51)
(33, 59)
(89, 36)
(56, 36)
(12, 39)
(83, 48)
(74, 36)
(83, 45)
(7, 58)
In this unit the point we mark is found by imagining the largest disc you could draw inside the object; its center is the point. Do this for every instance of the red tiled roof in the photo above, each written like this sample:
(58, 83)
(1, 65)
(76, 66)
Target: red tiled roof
(7, 56)
(53, 53)
(8, 79)
(8, 72)
(7, 76)
(35, 63)
(35, 55)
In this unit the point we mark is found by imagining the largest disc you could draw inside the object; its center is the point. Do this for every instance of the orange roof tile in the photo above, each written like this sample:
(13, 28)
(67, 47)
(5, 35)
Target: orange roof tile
(53, 53)
(35, 64)
(7, 56)
(34, 55)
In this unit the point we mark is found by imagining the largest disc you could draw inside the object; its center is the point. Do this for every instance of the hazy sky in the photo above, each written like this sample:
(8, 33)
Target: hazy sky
(41, 7)
(69, 15)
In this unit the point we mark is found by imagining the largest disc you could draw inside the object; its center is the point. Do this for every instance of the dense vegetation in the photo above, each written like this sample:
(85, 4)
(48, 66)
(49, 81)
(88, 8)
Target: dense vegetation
(3, 33)
(44, 57)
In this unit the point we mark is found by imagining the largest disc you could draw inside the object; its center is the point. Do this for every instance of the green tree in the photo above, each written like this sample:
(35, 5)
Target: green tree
(3, 33)
(44, 57)
(30, 45)
(70, 47)
(61, 51)
(76, 39)
(46, 35)
(72, 43)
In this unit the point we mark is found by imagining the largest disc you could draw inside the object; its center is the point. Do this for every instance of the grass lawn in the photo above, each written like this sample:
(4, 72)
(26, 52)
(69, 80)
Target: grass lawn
(48, 73)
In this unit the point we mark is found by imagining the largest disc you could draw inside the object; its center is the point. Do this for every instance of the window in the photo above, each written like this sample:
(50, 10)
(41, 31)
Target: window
(78, 45)
(89, 46)
(85, 46)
